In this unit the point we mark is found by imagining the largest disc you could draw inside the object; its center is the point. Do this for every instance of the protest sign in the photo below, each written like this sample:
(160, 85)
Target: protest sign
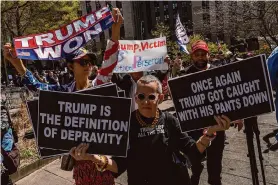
(57, 44)
(79, 118)
(238, 90)
(121, 93)
(32, 106)
(141, 55)
(105, 90)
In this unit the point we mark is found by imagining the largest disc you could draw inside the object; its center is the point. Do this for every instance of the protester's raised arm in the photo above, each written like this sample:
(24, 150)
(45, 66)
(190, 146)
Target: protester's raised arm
(111, 53)
(9, 54)
(116, 27)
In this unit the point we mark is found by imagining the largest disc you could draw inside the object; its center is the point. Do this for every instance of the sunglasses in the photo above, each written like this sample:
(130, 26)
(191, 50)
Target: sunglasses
(142, 97)
(84, 62)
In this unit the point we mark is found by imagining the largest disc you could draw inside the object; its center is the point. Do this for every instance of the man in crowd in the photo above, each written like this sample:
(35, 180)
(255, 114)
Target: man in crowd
(51, 79)
(177, 65)
(10, 157)
(219, 59)
(200, 58)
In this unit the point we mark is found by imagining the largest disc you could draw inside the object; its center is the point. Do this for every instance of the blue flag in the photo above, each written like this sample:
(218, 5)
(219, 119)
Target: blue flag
(181, 34)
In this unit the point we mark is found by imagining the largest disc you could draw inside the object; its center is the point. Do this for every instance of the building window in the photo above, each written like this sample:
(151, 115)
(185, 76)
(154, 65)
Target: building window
(175, 5)
(156, 9)
(165, 7)
(157, 19)
(205, 4)
(98, 6)
(183, 4)
(88, 6)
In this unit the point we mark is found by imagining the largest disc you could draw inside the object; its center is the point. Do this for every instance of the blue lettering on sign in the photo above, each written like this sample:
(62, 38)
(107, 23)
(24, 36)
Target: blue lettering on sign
(121, 55)
(138, 62)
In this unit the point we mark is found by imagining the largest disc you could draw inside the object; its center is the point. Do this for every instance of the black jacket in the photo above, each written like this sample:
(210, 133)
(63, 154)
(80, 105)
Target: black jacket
(149, 159)
(125, 83)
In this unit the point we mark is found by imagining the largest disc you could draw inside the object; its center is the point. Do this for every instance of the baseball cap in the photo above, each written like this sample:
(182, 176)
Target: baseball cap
(199, 44)
(79, 53)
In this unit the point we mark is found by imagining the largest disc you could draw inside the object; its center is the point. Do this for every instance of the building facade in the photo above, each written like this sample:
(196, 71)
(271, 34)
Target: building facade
(212, 19)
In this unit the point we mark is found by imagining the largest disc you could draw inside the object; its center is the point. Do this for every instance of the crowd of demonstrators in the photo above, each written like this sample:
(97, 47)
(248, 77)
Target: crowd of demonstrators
(80, 63)
(147, 152)
(10, 157)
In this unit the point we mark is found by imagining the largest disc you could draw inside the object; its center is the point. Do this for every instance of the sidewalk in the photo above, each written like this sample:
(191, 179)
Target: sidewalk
(236, 167)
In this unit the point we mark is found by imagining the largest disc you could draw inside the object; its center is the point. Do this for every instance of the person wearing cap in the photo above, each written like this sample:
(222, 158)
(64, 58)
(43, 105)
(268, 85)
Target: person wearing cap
(80, 63)
(200, 62)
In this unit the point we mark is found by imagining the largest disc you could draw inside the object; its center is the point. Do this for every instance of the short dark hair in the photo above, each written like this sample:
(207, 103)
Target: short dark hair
(179, 54)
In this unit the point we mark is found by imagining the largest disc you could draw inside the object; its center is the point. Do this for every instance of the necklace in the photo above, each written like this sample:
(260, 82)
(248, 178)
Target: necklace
(144, 124)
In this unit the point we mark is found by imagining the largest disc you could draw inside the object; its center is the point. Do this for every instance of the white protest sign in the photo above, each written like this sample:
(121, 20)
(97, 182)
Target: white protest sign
(141, 55)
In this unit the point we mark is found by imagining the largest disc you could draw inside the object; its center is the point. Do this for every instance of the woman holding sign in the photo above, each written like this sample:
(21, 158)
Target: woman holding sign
(155, 141)
(80, 63)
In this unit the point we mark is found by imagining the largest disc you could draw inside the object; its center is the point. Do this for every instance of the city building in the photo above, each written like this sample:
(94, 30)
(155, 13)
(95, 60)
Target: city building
(212, 19)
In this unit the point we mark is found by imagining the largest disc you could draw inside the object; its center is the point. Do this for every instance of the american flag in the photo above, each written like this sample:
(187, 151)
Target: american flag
(219, 46)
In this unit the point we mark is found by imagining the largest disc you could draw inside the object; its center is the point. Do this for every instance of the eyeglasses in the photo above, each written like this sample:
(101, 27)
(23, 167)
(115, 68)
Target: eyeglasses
(84, 62)
(142, 97)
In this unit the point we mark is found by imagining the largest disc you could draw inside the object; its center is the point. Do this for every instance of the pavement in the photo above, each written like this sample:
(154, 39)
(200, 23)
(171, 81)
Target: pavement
(236, 166)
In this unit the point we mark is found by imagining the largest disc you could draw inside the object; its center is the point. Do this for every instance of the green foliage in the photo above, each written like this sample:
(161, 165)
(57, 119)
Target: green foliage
(30, 17)
(27, 153)
(163, 30)
(173, 48)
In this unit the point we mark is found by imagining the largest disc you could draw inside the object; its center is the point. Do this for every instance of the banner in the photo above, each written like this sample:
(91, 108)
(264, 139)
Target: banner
(57, 44)
(181, 35)
(79, 118)
(108, 89)
(145, 55)
(231, 90)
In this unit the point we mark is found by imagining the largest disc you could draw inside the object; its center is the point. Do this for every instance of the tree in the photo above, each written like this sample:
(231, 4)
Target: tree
(164, 30)
(29, 17)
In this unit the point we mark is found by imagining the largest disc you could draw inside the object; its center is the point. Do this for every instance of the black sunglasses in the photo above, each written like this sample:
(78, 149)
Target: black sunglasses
(84, 62)
(142, 97)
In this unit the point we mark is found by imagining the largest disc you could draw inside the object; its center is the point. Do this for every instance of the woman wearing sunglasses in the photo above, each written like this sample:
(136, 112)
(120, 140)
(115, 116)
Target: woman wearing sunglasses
(153, 139)
(80, 63)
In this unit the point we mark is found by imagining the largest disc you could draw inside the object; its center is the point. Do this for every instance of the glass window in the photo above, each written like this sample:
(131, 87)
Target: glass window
(157, 19)
(88, 6)
(183, 4)
(98, 6)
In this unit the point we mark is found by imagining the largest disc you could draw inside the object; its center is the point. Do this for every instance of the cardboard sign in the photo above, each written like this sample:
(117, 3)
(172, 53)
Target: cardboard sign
(79, 118)
(238, 90)
(104, 90)
(57, 44)
(121, 93)
(141, 55)
(108, 89)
